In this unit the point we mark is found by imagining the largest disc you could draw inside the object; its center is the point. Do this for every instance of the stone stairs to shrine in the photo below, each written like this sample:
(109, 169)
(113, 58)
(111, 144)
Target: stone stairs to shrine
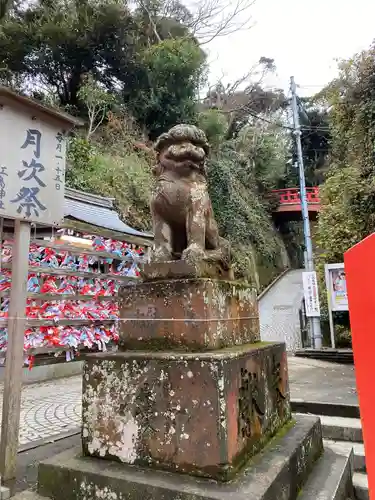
(341, 434)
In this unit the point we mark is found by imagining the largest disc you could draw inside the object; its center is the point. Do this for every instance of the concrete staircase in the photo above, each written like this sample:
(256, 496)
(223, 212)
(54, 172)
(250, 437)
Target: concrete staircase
(341, 434)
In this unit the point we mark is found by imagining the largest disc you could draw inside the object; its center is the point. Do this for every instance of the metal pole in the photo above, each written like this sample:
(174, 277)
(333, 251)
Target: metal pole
(329, 299)
(309, 263)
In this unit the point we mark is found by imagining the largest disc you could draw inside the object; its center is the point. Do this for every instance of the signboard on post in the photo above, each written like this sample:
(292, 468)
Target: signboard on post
(32, 167)
(336, 286)
(311, 294)
(336, 293)
(360, 276)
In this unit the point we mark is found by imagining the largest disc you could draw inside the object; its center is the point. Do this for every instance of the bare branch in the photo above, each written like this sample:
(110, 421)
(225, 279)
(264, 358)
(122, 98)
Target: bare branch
(215, 18)
(150, 16)
(97, 102)
(231, 98)
(245, 100)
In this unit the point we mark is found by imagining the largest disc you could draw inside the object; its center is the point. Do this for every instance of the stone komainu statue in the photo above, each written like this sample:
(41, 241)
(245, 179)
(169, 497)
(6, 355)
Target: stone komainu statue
(183, 220)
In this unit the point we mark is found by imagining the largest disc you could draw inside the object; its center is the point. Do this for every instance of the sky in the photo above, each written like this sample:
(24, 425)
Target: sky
(304, 37)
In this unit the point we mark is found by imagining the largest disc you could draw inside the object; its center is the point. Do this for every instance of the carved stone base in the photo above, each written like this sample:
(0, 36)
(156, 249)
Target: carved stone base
(176, 269)
(189, 314)
(203, 414)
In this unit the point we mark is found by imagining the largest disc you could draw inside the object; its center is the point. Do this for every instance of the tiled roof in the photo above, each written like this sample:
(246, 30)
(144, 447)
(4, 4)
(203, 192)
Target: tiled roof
(98, 211)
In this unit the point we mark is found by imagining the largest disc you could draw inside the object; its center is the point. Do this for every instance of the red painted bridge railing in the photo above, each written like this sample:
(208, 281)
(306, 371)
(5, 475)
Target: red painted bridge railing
(291, 196)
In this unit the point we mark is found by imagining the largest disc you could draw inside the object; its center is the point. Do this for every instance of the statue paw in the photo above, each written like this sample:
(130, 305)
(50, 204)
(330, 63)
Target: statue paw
(162, 254)
(193, 253)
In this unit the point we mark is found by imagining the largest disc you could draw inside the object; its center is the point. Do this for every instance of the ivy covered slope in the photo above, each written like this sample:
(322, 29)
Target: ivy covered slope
(242, 171)
(348, 194)
(131, 74)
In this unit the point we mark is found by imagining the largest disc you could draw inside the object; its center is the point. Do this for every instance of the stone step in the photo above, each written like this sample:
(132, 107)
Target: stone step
(341, 428)
(324, 408)
(283, 466)
(331, 478)
(344, 447)
(348, 428)
(360, 484)
(341, 356)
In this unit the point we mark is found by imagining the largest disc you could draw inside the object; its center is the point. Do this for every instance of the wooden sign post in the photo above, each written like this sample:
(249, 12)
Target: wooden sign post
(32, 181)
(14, 356)
(360, 281)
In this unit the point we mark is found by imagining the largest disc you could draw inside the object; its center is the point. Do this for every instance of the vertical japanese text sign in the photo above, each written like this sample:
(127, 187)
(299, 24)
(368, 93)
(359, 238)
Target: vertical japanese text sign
(360, 279)
(32, 160)
(32, 164)
(311, 294)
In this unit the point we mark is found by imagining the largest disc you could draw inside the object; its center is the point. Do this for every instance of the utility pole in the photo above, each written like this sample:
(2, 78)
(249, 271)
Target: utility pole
(314, 323)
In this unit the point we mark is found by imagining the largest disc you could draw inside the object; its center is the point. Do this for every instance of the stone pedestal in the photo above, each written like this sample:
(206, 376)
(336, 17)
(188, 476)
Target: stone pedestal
(203, 414)
(188, 314)
(194, 407)
(278, 473)
(195, 391)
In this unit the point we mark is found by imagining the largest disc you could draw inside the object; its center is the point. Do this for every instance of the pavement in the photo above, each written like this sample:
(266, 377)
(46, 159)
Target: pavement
(49, 410)
(279, 311)
(28, 462)
(319, 381)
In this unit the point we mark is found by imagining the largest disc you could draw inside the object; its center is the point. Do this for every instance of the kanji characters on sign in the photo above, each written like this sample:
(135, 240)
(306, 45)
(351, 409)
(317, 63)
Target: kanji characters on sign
(310, 289)
(27, 200)
(32, 170)
(59, 179)
(3, 193)
(33, 138)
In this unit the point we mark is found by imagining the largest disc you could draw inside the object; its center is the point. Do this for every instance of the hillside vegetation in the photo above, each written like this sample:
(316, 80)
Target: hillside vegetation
(132, 72)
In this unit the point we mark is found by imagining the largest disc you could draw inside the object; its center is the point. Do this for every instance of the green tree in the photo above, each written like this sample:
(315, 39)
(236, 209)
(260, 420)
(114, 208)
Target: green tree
(97, 101)
(241, 173)
(348, 194)
(245, 99)
(55, 43)
(166, 95)
(5, 5)
(315, 138)
(348, 197)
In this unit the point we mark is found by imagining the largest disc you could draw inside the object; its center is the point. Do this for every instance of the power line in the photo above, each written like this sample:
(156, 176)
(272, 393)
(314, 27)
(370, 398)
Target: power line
(277, 124)
(311, 86)
(313, 128)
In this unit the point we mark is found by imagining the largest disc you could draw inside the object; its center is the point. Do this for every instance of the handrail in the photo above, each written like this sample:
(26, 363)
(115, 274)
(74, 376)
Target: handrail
(291, 196)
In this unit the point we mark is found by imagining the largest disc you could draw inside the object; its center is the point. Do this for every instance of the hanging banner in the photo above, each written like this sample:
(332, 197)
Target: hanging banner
(310, 291)
(336, 287)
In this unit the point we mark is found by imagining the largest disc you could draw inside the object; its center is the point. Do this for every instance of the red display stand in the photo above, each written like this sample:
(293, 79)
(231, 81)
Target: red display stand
(360, 278)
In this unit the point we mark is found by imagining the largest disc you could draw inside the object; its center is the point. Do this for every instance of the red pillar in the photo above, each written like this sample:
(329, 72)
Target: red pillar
(360, 279)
